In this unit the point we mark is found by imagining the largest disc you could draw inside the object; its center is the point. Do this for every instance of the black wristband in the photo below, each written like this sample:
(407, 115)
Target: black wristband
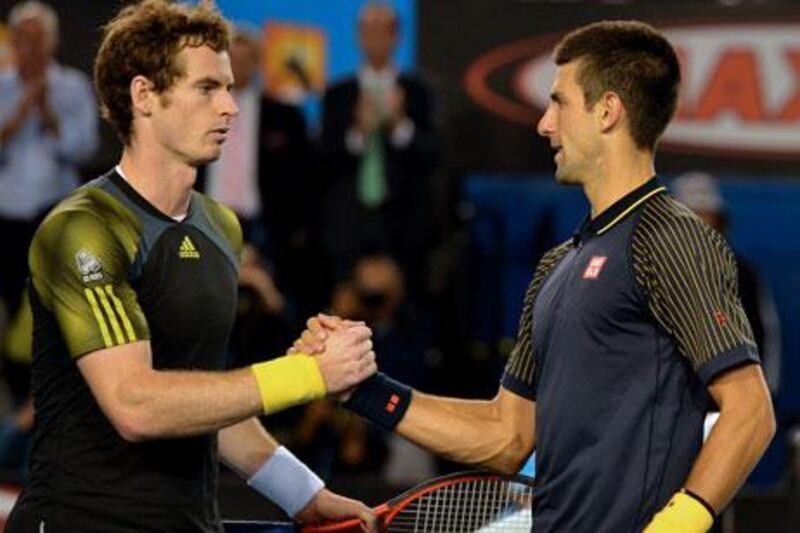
(702, 502)
(381, 400)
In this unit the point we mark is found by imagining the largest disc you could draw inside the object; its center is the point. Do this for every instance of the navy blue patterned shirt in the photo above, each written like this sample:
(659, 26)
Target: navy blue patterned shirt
(622, 330)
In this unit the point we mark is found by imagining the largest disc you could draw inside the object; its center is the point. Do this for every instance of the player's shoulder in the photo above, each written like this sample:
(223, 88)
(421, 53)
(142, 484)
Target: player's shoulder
(93, 203)
(667, 209)
(547, 264)
(554, 255)
(667, 224)
(221, 217)
(89, 212)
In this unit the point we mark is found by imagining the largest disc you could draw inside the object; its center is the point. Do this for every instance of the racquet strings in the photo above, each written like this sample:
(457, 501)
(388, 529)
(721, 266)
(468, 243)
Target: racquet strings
(478, 505)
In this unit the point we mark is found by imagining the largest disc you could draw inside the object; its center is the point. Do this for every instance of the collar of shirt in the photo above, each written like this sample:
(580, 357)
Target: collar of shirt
(618, 211)
(118, 178)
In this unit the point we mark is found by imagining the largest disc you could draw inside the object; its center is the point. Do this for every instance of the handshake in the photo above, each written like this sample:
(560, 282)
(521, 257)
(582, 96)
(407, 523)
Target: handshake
(342, 350)
(333, 357)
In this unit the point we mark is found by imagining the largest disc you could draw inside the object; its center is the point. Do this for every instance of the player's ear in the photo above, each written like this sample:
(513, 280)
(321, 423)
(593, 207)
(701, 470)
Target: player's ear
(610, 111)
(143, 95)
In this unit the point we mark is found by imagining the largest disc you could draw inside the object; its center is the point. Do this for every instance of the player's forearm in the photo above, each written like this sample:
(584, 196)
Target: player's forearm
(270, 469)
(470, 431)
(734, 446)
(180, 403)
(246, 446)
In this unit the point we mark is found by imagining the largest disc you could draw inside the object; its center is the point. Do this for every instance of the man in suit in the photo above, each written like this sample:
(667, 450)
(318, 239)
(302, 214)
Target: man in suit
(264, 172)
(48, 127)
(379, 149)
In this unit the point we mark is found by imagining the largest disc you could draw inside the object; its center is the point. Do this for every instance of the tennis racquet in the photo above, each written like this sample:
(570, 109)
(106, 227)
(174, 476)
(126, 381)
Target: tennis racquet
(482, 502)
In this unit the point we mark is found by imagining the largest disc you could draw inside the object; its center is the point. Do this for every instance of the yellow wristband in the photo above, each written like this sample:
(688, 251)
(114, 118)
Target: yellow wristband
(682, 514)
(287, 381)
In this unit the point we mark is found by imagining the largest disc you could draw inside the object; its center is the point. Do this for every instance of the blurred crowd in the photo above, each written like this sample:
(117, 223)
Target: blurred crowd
(336, 222)
(343, 221)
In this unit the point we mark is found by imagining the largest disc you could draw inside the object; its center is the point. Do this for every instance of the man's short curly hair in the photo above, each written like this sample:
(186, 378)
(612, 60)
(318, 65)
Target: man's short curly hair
(633, 60)
(145, 39)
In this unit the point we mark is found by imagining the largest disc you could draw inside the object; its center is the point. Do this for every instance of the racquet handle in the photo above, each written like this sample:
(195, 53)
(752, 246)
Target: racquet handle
(353, 524)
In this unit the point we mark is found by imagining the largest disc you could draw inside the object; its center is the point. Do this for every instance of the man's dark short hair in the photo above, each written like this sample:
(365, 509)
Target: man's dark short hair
(145, 39)
(633, 60)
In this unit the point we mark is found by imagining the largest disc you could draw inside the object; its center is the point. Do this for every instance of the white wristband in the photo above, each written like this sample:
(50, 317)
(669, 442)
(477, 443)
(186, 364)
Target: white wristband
(285, 480)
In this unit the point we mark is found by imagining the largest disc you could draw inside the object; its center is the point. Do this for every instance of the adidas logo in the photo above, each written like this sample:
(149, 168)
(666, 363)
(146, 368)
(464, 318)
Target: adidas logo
(187, 249)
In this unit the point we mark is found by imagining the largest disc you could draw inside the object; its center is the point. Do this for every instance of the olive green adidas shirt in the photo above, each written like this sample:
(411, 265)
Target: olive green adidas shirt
(107, 269)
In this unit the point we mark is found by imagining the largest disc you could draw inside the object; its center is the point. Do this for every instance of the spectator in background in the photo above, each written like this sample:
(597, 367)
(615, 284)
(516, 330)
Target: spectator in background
(700, 193)
(48, 126)
(379, 149)
(263, 175)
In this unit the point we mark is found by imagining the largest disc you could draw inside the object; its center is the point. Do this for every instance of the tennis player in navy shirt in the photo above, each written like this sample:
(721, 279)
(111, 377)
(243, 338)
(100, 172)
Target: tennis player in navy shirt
(631, 331)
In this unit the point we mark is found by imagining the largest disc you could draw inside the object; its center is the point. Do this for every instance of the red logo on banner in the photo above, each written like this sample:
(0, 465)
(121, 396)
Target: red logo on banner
(740, 91)
(594, 267)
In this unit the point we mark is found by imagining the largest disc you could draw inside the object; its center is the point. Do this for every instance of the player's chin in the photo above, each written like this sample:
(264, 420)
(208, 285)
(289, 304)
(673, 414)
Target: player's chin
(562, 177)
(209, 155)
(566, 178)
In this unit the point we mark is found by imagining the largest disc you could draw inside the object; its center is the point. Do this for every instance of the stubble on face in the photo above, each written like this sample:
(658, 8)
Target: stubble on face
(192, 123)
(575, 135)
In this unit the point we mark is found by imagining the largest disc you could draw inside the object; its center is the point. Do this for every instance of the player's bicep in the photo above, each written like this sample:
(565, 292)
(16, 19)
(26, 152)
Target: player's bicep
(518, 416)
(112, 375)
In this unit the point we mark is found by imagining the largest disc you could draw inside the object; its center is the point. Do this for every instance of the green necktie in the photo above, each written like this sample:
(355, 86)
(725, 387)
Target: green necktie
(372, 188)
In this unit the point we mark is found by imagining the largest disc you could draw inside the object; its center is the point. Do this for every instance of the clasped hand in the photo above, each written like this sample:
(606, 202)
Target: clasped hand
(343, 349)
